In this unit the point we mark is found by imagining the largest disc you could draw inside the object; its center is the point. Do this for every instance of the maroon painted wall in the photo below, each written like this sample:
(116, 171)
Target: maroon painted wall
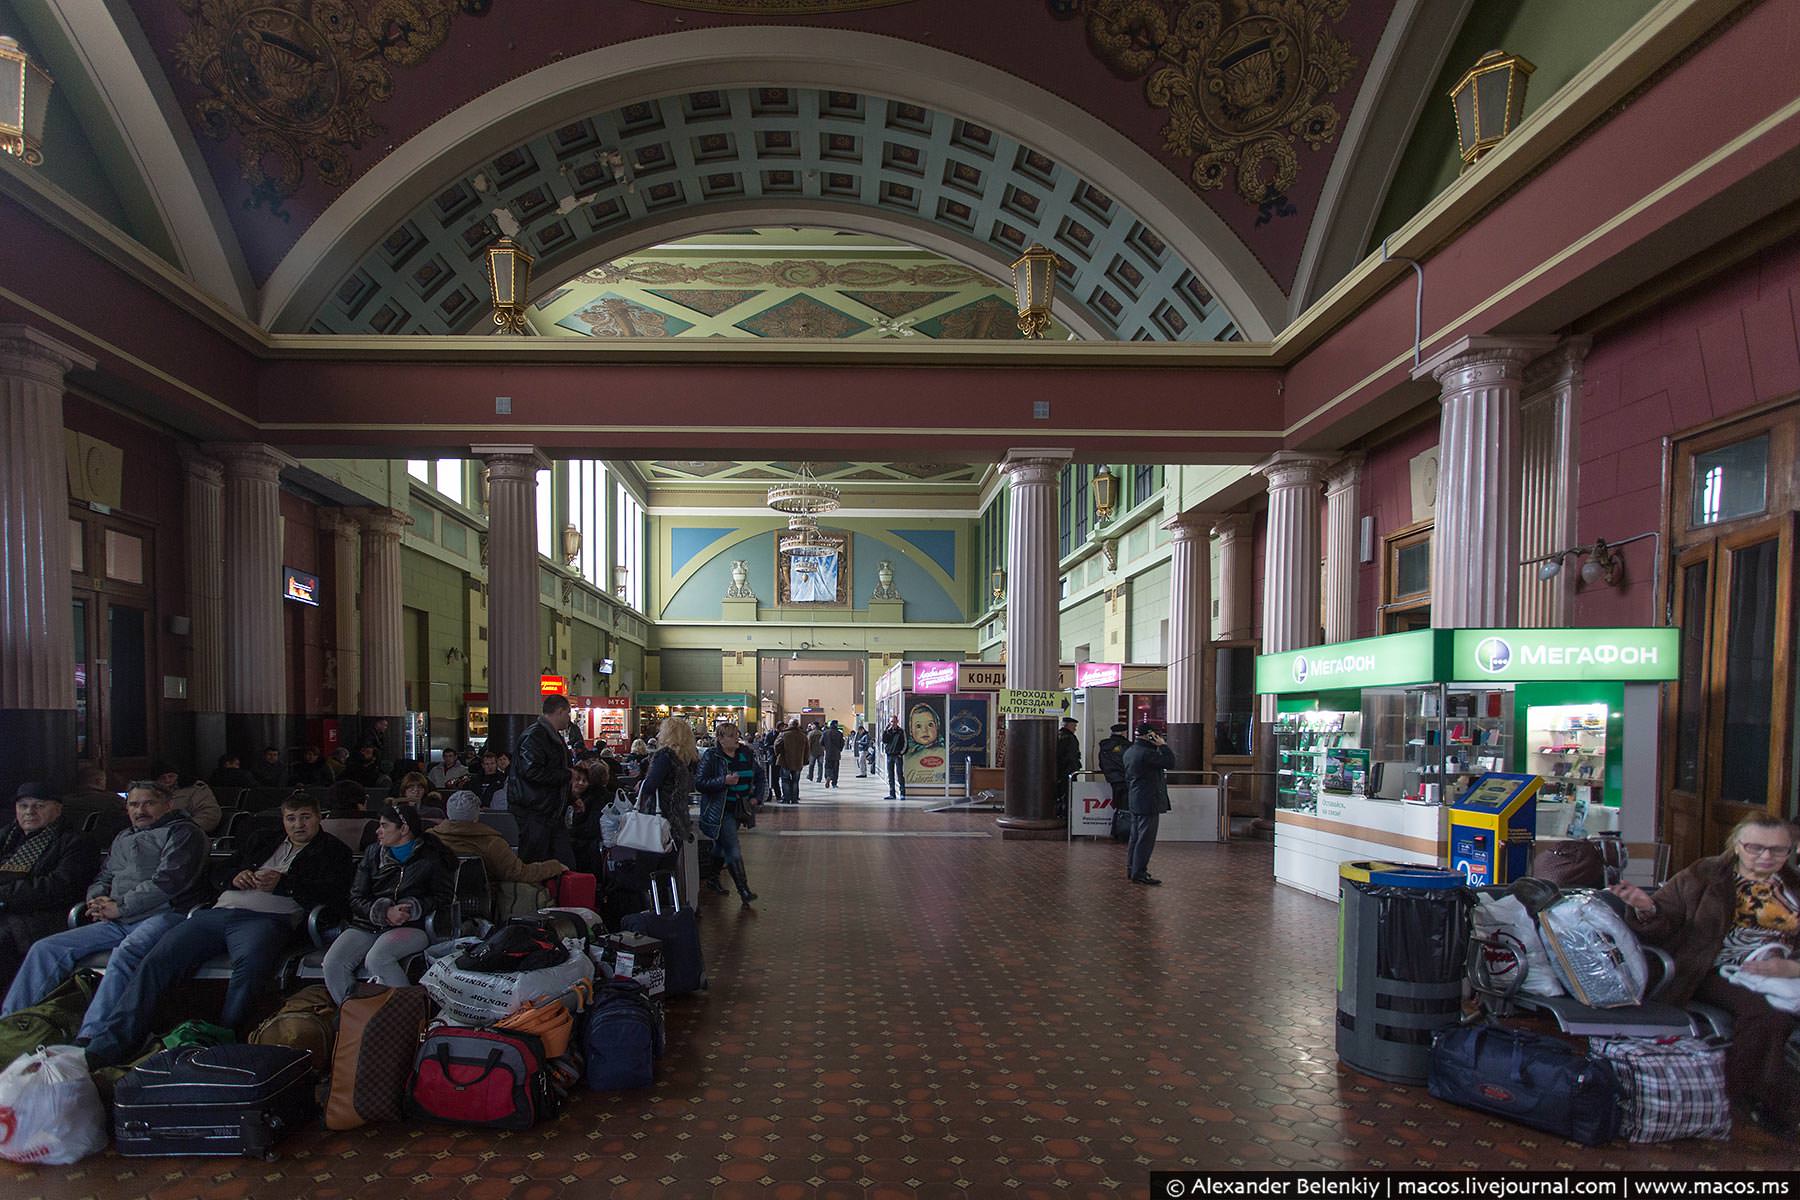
(308, 638)
(1728, 346)
(1387, 496)
(1259, 548)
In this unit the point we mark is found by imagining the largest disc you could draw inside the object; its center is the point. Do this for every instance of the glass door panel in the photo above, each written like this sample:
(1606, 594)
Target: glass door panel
(83, 735)
(1749, 674)
(127, 699)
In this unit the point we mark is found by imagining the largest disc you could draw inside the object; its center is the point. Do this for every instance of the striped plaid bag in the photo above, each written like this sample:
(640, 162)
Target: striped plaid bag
(1673, 1087)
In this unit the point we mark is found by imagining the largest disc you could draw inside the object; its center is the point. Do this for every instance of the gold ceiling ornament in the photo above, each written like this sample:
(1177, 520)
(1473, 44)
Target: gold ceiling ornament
(297, 80)
(24, 98)
(1242, 80)
(805, 496)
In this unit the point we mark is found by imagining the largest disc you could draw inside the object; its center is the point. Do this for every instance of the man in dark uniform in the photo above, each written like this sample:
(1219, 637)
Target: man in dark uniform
(1112, 765)
(1146, 773)
(1068, 761)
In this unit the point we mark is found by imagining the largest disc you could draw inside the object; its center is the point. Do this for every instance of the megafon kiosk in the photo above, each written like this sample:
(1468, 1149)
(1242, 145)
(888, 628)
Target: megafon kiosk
(1376, 739)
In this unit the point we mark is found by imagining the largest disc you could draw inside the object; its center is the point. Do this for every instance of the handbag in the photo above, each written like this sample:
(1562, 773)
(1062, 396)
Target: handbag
(745, 812)
(646, 829)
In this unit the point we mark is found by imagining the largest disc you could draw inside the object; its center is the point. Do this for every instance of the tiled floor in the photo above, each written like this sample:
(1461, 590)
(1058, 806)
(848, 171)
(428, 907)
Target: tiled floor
(933, 1016)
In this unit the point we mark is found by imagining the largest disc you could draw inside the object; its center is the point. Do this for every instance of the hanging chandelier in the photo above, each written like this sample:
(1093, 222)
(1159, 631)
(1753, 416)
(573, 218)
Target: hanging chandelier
(803, 541)
(804, 496)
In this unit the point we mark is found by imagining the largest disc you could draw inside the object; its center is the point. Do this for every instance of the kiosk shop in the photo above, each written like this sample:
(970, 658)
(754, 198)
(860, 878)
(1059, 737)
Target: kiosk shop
(1374, 738)
(702, 710)
(603, 720)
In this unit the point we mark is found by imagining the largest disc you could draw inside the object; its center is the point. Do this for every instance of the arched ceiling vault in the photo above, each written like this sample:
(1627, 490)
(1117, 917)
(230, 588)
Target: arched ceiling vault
(896, 136)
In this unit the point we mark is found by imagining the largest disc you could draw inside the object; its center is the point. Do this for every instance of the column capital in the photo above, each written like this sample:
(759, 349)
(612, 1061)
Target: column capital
(1469, 361)
(1038, 465)
(1343, 474)
(1561, 366)
(251, 460)
(1233, 525)
(1292, 468)
(1191, 526)
(343, 522)
(386, 524)
(512, 462)
(199, 467)
(27, 350)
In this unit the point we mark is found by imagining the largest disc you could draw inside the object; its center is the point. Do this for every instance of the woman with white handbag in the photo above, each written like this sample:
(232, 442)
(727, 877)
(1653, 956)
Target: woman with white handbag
(661, 824)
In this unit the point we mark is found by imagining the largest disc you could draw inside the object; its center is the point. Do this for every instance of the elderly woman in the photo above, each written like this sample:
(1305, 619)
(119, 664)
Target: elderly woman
(1737, 909)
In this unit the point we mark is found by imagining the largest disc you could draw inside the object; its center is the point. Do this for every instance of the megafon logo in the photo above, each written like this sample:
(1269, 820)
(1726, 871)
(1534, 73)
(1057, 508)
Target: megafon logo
(1305, 668)
(1302, 668)
(1493, 655)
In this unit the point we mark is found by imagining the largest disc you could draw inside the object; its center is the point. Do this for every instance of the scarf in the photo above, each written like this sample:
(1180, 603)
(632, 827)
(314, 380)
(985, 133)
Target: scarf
(27, 852)
(402, 853)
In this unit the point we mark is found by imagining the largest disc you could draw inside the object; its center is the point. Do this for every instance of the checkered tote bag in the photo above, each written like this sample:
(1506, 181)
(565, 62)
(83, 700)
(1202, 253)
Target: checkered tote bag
(1673, 1087)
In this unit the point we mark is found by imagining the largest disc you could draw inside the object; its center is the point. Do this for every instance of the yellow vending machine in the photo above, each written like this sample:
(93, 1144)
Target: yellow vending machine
(1492, 826)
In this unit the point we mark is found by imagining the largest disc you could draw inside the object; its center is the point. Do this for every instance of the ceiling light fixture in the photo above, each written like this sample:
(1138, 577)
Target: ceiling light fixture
(804, 495)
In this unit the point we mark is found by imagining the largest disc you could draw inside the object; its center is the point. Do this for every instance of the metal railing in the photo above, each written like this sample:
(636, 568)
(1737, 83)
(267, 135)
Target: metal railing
(1225, 789)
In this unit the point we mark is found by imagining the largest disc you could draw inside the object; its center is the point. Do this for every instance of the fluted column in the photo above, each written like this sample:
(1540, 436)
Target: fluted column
(1237, 576)
(513, 659)
(37, 639)
(1475, 545)
(203, 528)
(346, 557)
(1032, 637)
(1343, 509)
(255, 642)
(1190, 636)
(383, 639)
(1547, 423)
(1291, 553)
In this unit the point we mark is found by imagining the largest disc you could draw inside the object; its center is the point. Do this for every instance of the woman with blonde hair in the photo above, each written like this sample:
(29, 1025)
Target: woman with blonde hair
(669, 777)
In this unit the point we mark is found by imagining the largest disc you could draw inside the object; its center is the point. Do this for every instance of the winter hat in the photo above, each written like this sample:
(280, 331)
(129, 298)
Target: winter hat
(463, 806)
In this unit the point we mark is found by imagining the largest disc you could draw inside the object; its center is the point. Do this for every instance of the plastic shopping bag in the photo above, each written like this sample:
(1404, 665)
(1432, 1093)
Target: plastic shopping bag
(1596, 955)
(49, 1109)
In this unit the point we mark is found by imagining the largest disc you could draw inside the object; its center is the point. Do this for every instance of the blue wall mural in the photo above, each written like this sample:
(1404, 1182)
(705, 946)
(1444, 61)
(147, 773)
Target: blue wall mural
(699, 598)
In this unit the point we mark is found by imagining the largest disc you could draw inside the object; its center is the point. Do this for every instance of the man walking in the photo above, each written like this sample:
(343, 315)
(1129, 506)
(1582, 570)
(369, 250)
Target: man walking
(893, 744)
(1147, 765)
(1112, 765)
(537, 785)
(790, 753)
(831, 748)
(815, 750)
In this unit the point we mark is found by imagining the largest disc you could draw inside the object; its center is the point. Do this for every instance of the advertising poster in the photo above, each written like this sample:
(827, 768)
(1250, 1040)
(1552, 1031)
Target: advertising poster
(968, 727)
(925, 748)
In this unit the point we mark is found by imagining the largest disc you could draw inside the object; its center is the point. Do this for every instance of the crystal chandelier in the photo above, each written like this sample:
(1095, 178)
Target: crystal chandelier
(805, 496)
(803, 541)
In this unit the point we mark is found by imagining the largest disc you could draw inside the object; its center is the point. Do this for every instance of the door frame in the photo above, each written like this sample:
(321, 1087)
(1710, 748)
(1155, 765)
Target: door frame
(93, 586)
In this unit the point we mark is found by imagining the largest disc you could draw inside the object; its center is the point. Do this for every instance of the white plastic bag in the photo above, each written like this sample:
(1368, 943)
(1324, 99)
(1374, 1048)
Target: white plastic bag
(49, 1110)
(481, 998)
(1507, 915)
(1595, 952)
(1780, 991)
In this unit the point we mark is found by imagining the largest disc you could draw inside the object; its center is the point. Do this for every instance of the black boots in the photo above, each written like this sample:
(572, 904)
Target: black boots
(743, 884)
(712, 884)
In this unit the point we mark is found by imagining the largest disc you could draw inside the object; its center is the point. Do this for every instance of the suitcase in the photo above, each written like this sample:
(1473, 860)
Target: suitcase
(378, 1030)
(213, 1100)
(487, 1078)
(623, 1038)
(1530, 1078)
(684, 966)
(574, 889)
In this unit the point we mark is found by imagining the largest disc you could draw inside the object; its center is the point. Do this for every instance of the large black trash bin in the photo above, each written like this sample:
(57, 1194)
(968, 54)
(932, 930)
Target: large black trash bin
(1402, 935)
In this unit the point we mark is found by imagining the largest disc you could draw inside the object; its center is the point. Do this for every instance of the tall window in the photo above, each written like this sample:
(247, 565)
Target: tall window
(587, 513)
(1064, 501)
(419, 469)
(546, 498)
(628, 582)
(1142, 484)
(445, 474)
(1082, 512)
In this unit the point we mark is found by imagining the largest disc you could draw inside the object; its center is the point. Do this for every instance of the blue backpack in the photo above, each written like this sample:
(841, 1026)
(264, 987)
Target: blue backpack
(623, 1038)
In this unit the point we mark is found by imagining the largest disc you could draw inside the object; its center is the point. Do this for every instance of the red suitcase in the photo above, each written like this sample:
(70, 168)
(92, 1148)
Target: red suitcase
(575, 889)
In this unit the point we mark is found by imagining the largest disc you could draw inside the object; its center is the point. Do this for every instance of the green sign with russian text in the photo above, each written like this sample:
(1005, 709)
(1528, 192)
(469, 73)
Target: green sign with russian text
(1520, 655)
(1398, 658)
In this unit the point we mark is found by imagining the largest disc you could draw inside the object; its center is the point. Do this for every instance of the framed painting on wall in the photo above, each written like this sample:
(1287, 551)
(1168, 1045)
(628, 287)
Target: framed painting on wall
(815, 579)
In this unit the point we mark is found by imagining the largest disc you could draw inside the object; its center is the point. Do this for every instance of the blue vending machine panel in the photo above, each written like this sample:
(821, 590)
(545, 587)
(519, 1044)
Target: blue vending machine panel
(1472, 853)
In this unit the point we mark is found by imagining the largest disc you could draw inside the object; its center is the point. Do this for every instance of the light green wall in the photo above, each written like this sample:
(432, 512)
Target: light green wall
(1085, 624)
(1149, 607)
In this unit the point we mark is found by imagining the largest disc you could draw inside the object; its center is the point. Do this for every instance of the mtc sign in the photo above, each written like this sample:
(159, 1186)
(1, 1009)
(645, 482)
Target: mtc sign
(1632, 655)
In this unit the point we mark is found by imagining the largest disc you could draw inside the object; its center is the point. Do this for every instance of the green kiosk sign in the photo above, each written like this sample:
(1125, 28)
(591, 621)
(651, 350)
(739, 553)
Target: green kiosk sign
(1550, 655)
(1398, 658)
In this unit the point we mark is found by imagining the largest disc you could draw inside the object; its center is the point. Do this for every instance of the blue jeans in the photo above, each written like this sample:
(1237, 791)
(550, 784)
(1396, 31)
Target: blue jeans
(255, 942)
(725, 846)
(54, 959)
(896, 775)
(790, 785)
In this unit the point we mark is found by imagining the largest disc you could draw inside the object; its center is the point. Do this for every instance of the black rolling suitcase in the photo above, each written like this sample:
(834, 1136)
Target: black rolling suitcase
(684, 966)
(215, 1100)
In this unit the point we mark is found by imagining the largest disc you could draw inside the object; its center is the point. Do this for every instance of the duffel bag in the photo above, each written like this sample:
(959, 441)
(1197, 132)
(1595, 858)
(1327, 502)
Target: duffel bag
(52, 1021)
(53, 1114)
(550, 1019)
(378, 1030)
(307, 1021)
(1673, 1087)
(622, 1038)
(490, 1078)
(516, 898)
(1529, 1078)
(483, 997)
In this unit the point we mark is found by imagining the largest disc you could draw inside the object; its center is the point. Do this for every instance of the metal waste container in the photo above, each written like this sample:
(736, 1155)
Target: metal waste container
(1402, 936)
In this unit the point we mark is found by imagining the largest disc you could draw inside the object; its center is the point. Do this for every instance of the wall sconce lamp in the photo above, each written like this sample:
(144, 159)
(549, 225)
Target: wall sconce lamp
(509, 279)
(1105, 487)
(454, 655)
(997, 584)
(1488, 100)
(1034, 288)
(571, 544)
(24, 98)
(1604, 565)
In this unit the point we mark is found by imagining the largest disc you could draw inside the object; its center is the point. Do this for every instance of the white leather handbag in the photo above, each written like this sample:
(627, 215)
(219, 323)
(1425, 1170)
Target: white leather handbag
(646, 830)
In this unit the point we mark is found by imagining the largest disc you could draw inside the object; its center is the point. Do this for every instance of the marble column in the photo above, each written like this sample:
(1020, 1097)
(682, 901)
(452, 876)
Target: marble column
(1548, 419)
(1475, 544)
(203, 525)
(346, 558)
(1343, 511)
(37, 634)
(1237, 576)
(383, 637)
(1190, 637)
(1291, 554)
(255, 641)
(1033, 646)
(514, 661)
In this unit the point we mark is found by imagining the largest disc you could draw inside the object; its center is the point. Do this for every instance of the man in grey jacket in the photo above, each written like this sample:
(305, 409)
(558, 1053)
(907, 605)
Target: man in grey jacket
(154, 872)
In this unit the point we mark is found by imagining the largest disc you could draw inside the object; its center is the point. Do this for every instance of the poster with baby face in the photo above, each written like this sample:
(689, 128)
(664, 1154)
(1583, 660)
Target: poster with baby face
(923, 720)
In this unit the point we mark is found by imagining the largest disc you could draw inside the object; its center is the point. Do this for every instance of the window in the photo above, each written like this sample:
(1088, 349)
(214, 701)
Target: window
(450, 478)
(628, 563)
(1731, 482)
(1406, 580)
(1083, 511)
(419, 469)
(1142, 484)
(1064, 498)
(546, 497)
(587, 513)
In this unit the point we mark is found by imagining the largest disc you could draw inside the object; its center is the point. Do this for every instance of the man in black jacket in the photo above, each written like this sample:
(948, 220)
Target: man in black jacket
(1147, 766)
(281, 874)
(831, 745)
(46, 865)
(537, 788)
(1111, 754)
(893, 745)
(1068, 761)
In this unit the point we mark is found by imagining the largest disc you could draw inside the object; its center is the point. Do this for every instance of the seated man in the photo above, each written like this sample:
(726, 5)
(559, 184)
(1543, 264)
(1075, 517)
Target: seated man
(490, 784)
(465, 836)
(365, 768)
(154, 873)
(310, 771)
(230, 773)
(448, 774)
(196, 799)
(282, 873)
(46, 864)
(269, 772)
(92, 798)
